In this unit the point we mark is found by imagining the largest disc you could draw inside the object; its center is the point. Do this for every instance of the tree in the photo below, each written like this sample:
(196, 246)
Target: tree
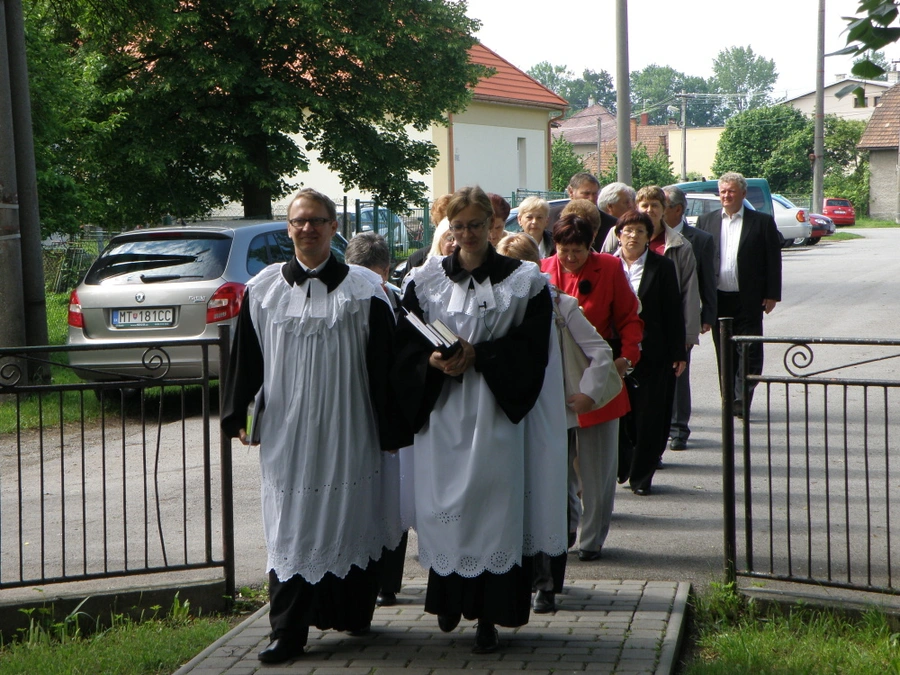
(206, 95)
(656, 88)
(737, 70)
(869, 33)
(591, 84)
(645, 170)
(878, 59)
(564, 164)
(577, 91)
(553, 77)
(772, 142)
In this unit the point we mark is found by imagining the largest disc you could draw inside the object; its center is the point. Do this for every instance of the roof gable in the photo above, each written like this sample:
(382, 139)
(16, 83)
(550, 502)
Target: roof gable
(883, 128)
(509, 84)
(840, 84)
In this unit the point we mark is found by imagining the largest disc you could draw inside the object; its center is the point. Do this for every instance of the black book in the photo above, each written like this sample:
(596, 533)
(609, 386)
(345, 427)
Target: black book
(438, 335)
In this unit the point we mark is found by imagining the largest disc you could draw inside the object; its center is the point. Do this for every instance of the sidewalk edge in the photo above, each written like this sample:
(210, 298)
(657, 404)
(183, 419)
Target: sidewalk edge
(675, 628)
(243, 625)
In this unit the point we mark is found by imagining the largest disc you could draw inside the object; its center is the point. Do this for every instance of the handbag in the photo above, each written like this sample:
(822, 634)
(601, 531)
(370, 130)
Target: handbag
(575, 362)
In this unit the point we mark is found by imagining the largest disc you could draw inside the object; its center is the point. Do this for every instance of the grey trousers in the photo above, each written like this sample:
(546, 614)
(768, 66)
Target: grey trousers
(598, 459)
(681, 410)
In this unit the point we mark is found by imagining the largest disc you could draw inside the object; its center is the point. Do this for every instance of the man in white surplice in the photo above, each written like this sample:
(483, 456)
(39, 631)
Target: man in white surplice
(314, 337)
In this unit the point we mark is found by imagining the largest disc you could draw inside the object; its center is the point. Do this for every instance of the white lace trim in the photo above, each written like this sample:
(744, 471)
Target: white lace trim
(272, 294)
(433, 286)
(495, 562)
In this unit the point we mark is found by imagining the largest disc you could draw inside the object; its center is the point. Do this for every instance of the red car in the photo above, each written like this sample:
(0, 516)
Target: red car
(840, 211)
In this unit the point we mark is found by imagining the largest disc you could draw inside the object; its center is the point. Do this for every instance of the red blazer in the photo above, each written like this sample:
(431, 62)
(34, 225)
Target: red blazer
(609, 303)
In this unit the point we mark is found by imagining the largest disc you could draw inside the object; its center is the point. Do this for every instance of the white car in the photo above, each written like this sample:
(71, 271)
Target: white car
(791, 221)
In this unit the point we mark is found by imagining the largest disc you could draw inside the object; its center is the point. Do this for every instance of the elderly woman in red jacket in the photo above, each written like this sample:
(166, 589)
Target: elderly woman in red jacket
(599, 283)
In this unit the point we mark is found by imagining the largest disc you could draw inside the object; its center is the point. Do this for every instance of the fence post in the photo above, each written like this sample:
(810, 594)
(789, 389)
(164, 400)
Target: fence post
(226, 469)
(726, 376)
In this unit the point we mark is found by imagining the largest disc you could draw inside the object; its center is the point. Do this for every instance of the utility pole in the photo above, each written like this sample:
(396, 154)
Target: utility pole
(623, 95)
(819, 141)
(683, 136)
(26, 178)
(12, 327)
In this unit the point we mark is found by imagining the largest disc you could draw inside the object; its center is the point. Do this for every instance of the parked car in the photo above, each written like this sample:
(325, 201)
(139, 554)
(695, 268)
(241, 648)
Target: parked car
(790, 219)
(700, 203)
(758, 192)
(841, 211)
(556, 207)
(389, 226)
(822, 226)
(169, 283)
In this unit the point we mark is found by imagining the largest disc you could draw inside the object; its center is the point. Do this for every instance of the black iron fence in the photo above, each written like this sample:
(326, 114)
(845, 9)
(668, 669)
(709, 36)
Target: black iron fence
(811, 472)
(111, 478)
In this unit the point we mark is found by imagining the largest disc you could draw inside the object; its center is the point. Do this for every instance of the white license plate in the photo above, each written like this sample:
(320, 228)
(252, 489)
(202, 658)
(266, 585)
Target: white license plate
(840, 213)
(143, 318)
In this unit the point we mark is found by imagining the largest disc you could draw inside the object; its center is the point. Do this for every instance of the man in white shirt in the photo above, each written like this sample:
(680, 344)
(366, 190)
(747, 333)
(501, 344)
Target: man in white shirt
(747, 251)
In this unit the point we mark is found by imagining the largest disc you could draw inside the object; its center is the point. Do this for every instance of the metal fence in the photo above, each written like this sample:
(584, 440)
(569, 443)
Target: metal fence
(138, 491)
(810, 484)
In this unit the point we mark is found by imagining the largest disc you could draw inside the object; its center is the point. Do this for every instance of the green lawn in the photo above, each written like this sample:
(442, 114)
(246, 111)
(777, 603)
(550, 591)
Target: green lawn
(864, 221)
(734, 636)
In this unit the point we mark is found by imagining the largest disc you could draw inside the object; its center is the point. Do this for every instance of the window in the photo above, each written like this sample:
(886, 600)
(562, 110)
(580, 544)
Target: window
(860, 102)
(876, 100)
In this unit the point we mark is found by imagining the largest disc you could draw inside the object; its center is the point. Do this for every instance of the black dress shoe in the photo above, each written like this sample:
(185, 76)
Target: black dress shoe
(280, 650)
(448, 622)
(678, 444)
(386, 599)
(487, 639)
(587, 556)
(544, 602)
(642, 492)
(659, 464)
(360, 632)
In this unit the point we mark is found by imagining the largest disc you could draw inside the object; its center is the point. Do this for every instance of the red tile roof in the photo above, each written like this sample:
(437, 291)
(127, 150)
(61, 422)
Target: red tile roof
(509, 84)
(582, 126)
(883, 128)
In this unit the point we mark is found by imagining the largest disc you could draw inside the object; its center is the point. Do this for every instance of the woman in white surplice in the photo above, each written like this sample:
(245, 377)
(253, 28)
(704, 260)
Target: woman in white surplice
(486, 498)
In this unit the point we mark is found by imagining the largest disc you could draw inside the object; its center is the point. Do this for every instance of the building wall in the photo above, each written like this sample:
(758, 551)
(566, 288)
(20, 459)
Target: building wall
(842, 107)
(499, 147)
(883, 184)
(701, 149)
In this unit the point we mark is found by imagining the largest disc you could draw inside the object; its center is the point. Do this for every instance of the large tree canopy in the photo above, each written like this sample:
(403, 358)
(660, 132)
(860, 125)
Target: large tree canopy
(204, 96)
(656, 88)
(578, 91)
(748, 76)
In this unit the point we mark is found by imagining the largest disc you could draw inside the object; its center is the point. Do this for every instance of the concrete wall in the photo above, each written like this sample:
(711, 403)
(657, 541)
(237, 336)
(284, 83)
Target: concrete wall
(883, 184)
(701, 149)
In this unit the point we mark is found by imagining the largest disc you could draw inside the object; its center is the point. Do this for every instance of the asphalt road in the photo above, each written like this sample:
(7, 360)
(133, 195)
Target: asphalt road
(834, 289)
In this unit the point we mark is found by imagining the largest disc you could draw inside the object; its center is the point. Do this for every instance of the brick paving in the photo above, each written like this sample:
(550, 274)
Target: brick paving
(601, 627)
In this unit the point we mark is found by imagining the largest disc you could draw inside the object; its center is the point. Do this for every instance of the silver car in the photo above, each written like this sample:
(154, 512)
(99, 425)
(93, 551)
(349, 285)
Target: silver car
(169, 283)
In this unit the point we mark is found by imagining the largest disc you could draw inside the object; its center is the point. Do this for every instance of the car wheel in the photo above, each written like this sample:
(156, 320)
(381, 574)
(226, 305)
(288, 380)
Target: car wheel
(800, 241)
(812, 241)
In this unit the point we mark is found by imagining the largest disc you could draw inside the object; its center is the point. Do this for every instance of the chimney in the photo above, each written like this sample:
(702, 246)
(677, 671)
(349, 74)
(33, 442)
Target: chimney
(645, 119)
(840, 76)
(893, 76)
(591, 102)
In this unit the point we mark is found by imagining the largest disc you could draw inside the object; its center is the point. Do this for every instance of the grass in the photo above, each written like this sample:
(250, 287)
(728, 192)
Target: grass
(151, 647)
(735, 636)
(863, 221)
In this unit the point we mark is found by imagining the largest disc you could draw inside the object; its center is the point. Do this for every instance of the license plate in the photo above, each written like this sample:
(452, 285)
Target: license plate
(840, 213)
(143, 318)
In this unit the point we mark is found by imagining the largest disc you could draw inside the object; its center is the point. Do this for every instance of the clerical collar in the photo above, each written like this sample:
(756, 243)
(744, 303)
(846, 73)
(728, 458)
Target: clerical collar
(332, 273)
(495, 266)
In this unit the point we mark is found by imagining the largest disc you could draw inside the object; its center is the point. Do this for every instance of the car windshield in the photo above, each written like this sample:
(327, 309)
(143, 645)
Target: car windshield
(162, 257)
(838, 202)
(784, 201)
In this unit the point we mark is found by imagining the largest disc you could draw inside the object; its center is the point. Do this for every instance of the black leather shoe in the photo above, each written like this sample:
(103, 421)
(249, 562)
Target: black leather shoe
(448, 622)
(487, 639)
(642, 492)
(360, 632)
(587, 556)
(678, 444)
(280, 650)
(544, 602)
(386, 599)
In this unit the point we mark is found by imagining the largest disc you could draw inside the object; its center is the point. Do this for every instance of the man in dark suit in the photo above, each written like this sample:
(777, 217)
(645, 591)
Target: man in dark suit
(702, 246)
(747, 251)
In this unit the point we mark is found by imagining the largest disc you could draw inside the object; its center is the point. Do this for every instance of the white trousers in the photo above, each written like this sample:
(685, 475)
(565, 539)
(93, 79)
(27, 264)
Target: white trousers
(598, 459)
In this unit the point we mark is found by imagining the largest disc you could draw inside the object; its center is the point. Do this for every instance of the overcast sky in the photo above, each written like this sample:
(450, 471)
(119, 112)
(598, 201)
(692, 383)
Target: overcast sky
(686, 35)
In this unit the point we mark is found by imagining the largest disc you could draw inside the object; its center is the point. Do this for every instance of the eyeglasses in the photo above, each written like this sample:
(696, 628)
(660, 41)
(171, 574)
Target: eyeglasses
(458, 228)
(315, 222)
(628, 232)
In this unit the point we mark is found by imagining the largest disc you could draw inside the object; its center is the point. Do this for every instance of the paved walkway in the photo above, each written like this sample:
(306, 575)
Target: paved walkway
(603, 627)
